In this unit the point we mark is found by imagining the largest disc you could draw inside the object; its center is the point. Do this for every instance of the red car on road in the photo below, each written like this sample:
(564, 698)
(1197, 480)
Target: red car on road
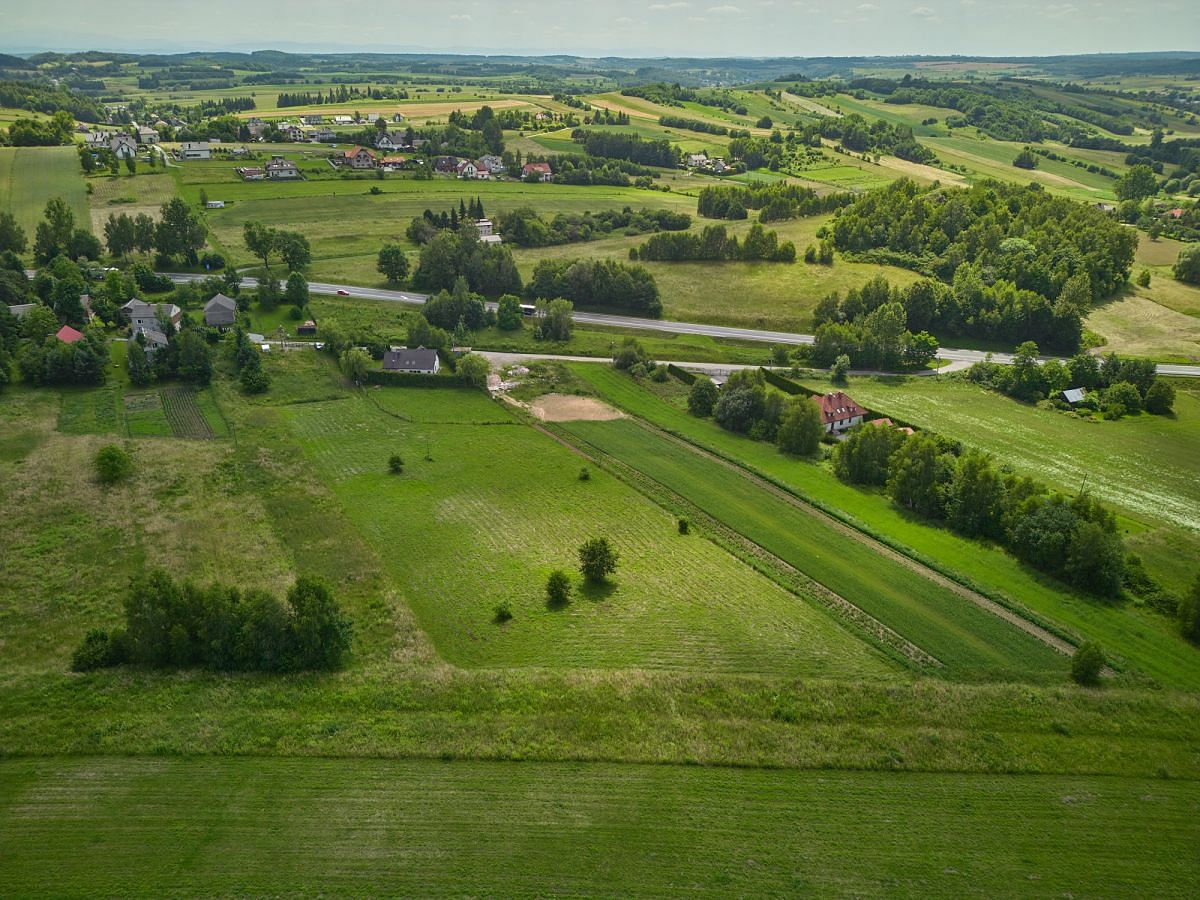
(342, 292)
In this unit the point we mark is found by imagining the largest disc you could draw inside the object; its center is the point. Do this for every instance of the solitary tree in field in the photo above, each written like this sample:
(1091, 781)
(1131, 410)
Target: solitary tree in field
(840, 369)
(558, 588)
(259, 240)
(1087, 664)
(393, 263)
(1025, 160)
(396, 464)
(597, 559)
(112, 464)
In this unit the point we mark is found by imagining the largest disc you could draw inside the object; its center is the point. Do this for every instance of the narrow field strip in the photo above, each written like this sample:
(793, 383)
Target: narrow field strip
(779, 570)
(970, 642)
(154, 827)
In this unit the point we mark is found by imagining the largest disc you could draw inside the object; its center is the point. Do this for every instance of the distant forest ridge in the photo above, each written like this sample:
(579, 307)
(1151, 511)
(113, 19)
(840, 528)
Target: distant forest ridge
(632, 70)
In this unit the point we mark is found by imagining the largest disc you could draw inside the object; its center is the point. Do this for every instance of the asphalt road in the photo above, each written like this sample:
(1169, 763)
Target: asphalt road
(962, 357)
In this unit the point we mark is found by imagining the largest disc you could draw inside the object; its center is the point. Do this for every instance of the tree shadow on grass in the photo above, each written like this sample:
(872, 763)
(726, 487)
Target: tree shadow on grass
(597, 591)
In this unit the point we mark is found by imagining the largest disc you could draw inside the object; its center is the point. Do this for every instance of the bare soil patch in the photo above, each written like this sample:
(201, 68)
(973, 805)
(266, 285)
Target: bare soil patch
(569, 408)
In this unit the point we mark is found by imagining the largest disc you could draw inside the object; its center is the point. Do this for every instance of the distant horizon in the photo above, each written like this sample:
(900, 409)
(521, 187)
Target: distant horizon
(625, 28)
(303, 50)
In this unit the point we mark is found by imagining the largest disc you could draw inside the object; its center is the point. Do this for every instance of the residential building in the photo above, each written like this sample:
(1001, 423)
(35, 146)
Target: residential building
(147, 315)
(68, 335)
(414, 362)
(839, 412)
(293, 133)
(492, 163)
(153, 339)
(146, 135)
(312, 119)
(252, 173)
(391, 140)
(20, 309)
(220, 312)
(123, 146)
(540, 169)
(343, 120)
(279, 169)
(695, 160)
(393, 163)
(322, 135)
(445, 164)
(486, 233)
(357, 158)
(466, 169)
(195, 150)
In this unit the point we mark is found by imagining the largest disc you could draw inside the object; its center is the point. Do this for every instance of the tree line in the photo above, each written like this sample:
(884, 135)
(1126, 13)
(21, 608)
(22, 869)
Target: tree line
(525, 228)
(631, 147)
(714, 243)
(172, 624)
(777, 201)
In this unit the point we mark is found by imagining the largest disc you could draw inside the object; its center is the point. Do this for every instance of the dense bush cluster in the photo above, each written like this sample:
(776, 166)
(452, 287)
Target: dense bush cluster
(777, 201)
(749, 405)
(860, 136)
(1073, 538)
(525, 228)
(702, 127)
(1024, 264)
(597, 283)
(715, 244)
(177, 624)
(1115, 386)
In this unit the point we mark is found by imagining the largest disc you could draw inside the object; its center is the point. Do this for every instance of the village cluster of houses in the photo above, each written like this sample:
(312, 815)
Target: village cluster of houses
(700, 162)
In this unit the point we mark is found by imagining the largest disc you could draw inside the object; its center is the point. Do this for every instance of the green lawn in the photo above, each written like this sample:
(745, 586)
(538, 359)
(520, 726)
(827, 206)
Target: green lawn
(1146, 642)
(30, 176)
(152, 827)
(459, 531)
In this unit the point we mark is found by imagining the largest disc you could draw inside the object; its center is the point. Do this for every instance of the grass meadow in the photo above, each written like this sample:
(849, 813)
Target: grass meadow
(30, 176)
(487, 508)
(1145, 642)
(179, 827)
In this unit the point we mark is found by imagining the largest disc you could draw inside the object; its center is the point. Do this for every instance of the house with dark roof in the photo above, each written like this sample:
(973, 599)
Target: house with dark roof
(414, 362)
(280, 168)
(68, 335)
(151, 338)
(220, 312)
(445, 164)
(839, 412)
(146, 315)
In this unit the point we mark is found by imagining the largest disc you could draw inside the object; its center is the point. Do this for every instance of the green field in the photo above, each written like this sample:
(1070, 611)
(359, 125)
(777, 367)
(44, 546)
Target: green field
(30, 176)
(456, 531)
(1147, 644)
(155, 827)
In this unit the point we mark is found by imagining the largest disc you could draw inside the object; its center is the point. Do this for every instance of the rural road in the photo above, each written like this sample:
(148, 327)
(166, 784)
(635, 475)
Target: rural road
(957, 358)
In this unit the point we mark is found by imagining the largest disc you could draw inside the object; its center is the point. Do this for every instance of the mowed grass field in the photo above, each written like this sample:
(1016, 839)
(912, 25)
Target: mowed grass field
(969, 642)
(1148, 645)
(30, 176)
(497, 506)
(116, 194)
(152, 827)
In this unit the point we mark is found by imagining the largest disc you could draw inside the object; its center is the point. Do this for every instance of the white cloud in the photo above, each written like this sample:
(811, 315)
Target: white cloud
(460, 17)
(922, 12)
(725, 10)
(868, 7)
(660, 7)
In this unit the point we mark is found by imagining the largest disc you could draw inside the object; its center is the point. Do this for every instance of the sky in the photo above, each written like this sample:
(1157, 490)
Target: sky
(609, 27)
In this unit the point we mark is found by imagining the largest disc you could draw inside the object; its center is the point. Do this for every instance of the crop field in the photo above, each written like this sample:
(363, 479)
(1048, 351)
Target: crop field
(968, 641)
(1146, 642)
(456, 530)
(153, 826)
(192, 414)
(30, 176)
(1161, 322)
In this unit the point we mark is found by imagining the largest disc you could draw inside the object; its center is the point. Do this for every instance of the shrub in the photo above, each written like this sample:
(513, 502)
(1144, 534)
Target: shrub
(99, 650)
(112, 464)
(1189, 614)
(1125, 395)
(597, 559)
(840, 369)
(683, 526)
(585, 474)
(558, 588)
(503, 612)
(1160, 399)
(396, 464)
(1087, 663)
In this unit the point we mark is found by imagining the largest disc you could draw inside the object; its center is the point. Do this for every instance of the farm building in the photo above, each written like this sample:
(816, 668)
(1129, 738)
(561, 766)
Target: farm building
(415, 362)
(220, 312)
(214, 204)
(195, 150)
(1074, 395)
(307, 327)
(487, 234)
(251, 173)
(20, 309)
(839, 412)
(68, 335)
(393, 163)
(540, 169)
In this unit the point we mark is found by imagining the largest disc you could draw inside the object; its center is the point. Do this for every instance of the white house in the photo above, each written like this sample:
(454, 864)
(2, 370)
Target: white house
(142, 315)
(147, 135)
(412, 362)
(466, 169)
(123, 146)
(195, 150)
(839, 412)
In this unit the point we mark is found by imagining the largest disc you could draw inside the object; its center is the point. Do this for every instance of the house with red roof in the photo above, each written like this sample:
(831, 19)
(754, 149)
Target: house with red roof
(839, 412)
(69, 335)
(540, 169)
(358, 158)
